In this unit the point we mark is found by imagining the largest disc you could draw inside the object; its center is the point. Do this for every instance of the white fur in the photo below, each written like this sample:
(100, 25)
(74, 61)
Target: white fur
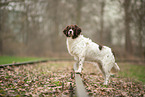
(84, 49)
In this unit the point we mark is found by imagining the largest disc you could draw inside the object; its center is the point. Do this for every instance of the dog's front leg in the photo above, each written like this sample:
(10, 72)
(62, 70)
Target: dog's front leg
(80, 63)
(75, 65)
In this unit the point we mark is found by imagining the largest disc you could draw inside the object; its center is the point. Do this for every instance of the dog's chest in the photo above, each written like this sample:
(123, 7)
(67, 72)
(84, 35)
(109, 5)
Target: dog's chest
(75, 46)
(69, 46)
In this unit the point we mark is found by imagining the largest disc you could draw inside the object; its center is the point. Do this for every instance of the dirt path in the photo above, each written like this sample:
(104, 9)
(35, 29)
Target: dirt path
(54, 78)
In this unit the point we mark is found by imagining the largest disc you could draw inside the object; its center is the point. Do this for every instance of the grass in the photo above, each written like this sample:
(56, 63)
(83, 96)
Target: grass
(13, 59)
(133, 71)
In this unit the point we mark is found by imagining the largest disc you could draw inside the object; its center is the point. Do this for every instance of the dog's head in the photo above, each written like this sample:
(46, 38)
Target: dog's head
(72, 31)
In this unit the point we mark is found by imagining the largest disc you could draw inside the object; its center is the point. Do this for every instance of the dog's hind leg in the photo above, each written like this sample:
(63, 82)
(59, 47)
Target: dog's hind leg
(106, 69)
(99, 64)
(105, 72)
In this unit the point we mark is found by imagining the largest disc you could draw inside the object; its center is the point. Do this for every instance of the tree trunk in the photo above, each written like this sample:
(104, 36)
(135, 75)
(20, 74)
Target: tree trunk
(1, 45)
(26, 33)
(78, 10)
(141, 23)
(1, 41)
(140, 42)
(128, 44)
(55, 32)
(102, 21)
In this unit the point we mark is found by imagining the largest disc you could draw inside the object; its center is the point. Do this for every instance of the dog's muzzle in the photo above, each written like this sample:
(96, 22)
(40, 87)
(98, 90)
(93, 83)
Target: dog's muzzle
(70, 32)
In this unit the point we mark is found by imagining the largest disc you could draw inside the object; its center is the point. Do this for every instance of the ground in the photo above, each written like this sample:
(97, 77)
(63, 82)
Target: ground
(54, 79)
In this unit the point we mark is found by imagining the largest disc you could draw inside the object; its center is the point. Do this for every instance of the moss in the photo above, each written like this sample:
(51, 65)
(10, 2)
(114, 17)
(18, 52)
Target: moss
(13, 59)
(133, 71)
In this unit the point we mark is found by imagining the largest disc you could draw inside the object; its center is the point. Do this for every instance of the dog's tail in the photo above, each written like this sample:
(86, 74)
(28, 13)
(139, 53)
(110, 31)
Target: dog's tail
(115, 68)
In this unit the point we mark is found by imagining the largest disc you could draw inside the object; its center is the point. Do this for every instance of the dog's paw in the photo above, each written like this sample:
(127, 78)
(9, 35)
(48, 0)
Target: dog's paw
(77, 71)
(105, 83)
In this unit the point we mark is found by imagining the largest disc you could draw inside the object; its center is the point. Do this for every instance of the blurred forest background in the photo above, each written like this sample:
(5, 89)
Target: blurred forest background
(34, 27)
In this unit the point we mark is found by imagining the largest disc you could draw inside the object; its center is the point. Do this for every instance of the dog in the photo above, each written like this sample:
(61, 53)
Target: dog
(82, 48)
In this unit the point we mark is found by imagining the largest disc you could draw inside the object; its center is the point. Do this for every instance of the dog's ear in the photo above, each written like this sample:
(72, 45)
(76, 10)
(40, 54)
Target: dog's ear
(78, 30)
(65, 30)
(75, 26)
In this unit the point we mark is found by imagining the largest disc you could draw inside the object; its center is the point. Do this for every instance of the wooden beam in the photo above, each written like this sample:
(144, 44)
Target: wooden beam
(80, 88)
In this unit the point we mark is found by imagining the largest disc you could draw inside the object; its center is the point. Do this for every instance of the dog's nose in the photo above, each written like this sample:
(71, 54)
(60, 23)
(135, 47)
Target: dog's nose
(70, 32)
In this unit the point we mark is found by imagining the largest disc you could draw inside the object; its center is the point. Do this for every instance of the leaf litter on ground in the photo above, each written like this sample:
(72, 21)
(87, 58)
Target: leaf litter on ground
(54, 79)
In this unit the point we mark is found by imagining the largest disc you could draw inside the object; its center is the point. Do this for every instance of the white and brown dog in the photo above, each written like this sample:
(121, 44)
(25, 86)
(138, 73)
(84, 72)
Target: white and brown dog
(84, 49)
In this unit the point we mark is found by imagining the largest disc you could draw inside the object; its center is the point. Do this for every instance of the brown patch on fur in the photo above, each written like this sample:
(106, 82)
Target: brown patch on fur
(100, 47)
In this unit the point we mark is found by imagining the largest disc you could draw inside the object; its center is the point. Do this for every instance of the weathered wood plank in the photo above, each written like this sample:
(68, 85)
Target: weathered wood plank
(80, 88)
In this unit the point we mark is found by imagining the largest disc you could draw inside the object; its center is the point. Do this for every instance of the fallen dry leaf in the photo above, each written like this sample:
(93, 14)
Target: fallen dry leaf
(56, 79)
